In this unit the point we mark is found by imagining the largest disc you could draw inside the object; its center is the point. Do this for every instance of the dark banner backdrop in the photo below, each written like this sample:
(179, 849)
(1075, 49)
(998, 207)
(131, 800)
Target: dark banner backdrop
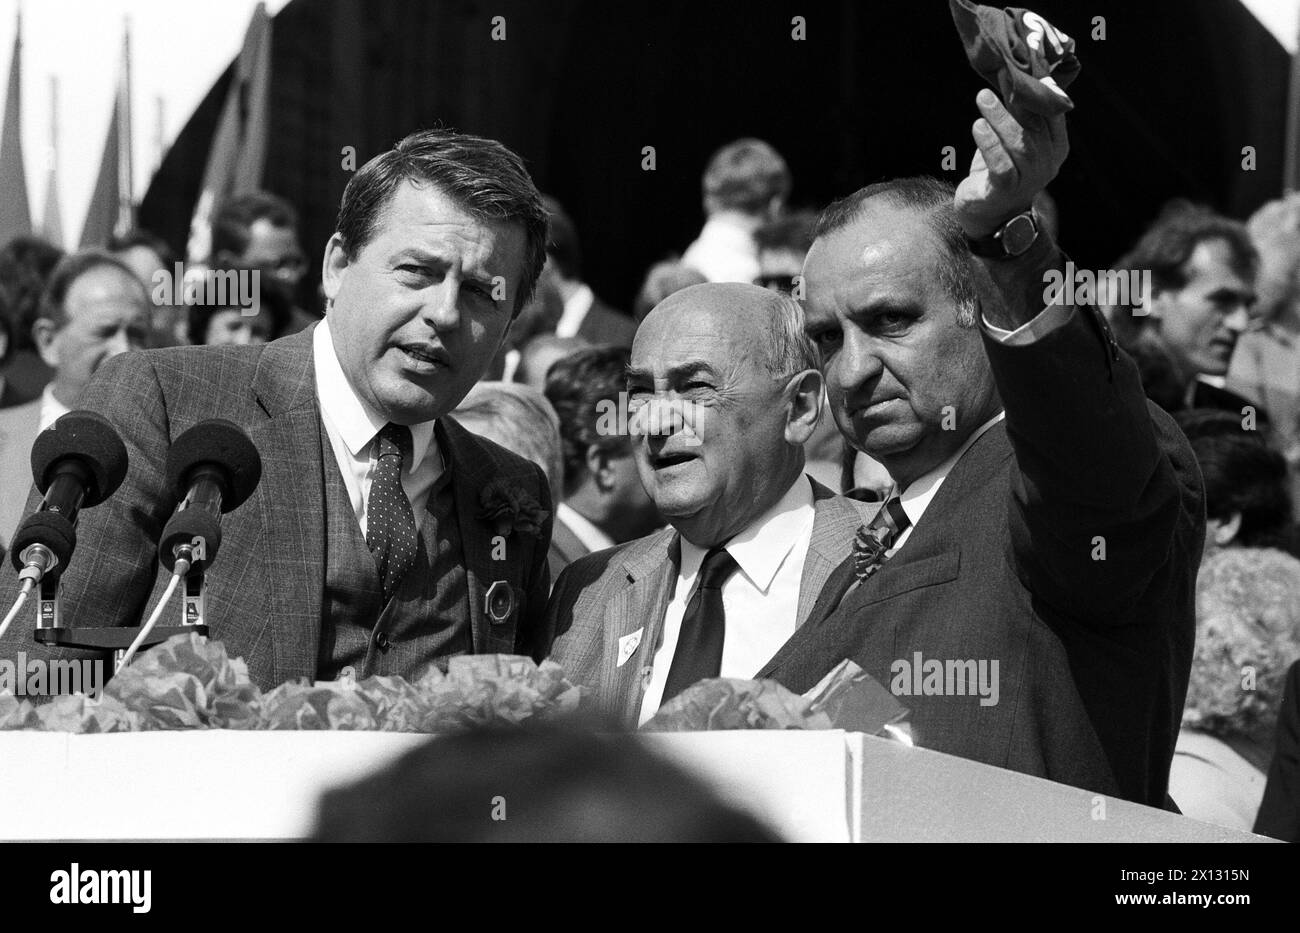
(1166, 103)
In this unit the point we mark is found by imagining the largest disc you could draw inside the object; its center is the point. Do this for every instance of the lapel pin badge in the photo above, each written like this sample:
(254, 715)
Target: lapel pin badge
(499, 602)
(627, 646)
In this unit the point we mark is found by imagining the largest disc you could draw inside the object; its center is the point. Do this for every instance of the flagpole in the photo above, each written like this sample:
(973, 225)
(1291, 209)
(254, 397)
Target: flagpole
(126, 211)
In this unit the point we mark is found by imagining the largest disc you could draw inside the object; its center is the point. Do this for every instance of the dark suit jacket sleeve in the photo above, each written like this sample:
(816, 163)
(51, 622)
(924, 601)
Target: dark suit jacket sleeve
(1279, 812)
(113, 577)
(531, 638)
(1095, 468)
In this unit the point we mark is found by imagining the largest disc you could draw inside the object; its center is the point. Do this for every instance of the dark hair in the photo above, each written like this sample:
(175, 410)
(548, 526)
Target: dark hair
(234, 219)
(73, 267)
(483, 176)
(6, 326)
(1244, 474)
(575, 386)
(272, 302)
(562, 240)
(746, 175)
(141, 237)
(958, 269)
(1169, 243)
(533, 784)
(792, 231)
(25, 266)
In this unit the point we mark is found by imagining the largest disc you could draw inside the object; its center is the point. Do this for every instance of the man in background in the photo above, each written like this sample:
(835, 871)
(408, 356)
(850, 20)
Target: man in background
(25, 266)
(1202, 270)
(93, 309)
(745, 186)
(260, 231)
(604, 503)
(584, 315)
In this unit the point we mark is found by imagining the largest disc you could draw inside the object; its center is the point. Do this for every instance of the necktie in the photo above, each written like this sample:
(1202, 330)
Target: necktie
(390, 523)
(878, 536)
(699, 646)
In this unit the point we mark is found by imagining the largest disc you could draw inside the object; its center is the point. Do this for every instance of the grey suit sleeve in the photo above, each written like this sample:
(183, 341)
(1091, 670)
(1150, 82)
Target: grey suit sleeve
(114, 571)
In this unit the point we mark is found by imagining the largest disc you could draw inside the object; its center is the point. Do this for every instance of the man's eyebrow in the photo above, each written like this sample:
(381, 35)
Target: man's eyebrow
(884, 306)
(674, 374)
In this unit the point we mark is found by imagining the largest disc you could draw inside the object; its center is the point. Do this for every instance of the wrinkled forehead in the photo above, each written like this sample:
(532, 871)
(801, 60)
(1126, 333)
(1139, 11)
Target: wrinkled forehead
(105, 291)
(725, 326)
(885, 252)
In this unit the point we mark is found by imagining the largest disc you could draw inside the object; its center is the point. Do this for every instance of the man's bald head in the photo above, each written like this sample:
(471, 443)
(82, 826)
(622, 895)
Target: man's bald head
(725, 387)
(757, 315)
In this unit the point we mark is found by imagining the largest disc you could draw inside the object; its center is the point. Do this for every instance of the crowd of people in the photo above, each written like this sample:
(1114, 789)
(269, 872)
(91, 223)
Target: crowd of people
(876, 446)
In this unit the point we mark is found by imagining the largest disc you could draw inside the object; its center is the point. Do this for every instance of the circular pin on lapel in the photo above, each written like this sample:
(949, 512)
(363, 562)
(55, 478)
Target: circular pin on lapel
(499, 602)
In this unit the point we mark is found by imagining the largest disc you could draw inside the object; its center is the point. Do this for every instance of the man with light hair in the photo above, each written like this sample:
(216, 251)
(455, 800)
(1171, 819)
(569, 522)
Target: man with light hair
(1266, 362)
(745, 186)
(724, 390)
(520, 419)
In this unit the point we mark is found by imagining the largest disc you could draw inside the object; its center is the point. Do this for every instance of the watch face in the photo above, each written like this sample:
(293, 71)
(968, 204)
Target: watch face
(1019, 234)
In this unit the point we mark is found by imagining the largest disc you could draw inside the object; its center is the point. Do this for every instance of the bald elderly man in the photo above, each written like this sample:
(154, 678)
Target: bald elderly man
(723, 391)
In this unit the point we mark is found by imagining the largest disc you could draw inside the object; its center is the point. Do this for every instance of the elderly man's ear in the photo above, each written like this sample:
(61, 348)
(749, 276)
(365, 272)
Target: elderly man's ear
(803, 406)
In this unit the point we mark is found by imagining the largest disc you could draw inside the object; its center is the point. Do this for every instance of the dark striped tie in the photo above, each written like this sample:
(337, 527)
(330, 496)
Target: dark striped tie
(390, 522)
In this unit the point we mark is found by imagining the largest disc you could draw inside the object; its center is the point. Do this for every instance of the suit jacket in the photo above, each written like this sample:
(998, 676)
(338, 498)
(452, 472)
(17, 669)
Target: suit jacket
(1279, 811)
(264, 589)
(611, 594)
(566, 547)
(1064, 547)
(605, 325)
(19, 426)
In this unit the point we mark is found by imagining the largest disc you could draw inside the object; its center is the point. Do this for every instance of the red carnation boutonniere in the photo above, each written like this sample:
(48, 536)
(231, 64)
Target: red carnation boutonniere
(509, 508)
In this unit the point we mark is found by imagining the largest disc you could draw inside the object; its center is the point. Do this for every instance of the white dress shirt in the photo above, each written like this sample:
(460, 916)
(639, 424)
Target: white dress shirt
(760, 599)
(51, 408)
(592, 538)
(352, 427)
(724, 252)
(575, 311)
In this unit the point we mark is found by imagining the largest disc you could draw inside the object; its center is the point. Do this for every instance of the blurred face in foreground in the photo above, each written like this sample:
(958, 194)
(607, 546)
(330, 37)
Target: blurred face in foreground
(416, 318)
(729, 432)
(906, 381)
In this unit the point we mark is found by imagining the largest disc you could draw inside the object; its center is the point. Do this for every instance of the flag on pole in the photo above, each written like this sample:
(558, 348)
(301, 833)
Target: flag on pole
(238, 154)
(52, 216)
(15, 214)
(112, 206)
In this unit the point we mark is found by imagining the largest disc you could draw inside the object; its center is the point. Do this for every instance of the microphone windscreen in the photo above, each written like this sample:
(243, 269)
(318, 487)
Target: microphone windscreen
(52, 529)
(91, 440)
(218, 443)
(184, 528)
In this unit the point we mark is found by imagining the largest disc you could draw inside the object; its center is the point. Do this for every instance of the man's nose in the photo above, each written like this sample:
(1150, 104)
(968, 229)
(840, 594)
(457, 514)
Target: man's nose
(855, 364)
(442, 305)
(120, 342)
(1238, 320)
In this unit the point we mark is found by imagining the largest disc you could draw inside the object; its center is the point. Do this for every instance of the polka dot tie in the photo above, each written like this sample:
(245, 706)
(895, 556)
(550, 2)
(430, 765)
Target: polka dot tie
(390, 523)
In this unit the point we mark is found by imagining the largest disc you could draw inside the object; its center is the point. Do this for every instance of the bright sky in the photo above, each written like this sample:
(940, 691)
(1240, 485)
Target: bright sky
(179, 48)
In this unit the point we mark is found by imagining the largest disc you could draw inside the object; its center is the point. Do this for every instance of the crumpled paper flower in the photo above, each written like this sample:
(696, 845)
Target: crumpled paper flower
(732, 703)
(16, 713)
(509, 508)
(188, 682)
(83, 715)
(322, 705)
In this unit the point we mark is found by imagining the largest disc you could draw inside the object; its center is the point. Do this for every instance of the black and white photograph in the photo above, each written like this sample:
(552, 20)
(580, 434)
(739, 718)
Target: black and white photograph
(684, 422)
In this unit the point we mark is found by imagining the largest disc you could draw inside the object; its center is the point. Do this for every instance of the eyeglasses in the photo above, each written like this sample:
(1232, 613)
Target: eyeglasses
(777, 283)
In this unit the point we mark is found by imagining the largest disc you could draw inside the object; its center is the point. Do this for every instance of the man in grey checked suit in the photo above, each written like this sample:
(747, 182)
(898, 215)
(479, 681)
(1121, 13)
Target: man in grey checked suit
(725, 390)
(379, 527)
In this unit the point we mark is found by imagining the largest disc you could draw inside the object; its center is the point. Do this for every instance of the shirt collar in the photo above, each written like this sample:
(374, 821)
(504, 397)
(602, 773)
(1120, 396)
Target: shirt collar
(355, 421)
(920, 492)
(580, 302)
(762, 546)
(592, 537)
(51, 408)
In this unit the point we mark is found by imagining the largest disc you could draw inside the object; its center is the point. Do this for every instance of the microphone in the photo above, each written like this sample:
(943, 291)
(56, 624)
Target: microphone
(214, 468)
(77, 462)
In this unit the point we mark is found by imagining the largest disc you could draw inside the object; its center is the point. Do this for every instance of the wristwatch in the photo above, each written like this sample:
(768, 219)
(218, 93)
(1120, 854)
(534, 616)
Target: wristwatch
(1008, 241)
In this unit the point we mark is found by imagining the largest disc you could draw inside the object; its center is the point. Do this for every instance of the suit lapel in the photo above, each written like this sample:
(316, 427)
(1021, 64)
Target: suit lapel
(836, 519)
(651, 571)
(291, 498)
(481, 571)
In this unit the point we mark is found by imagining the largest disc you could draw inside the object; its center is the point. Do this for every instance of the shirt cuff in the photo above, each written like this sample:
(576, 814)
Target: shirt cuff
(1050, 319)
